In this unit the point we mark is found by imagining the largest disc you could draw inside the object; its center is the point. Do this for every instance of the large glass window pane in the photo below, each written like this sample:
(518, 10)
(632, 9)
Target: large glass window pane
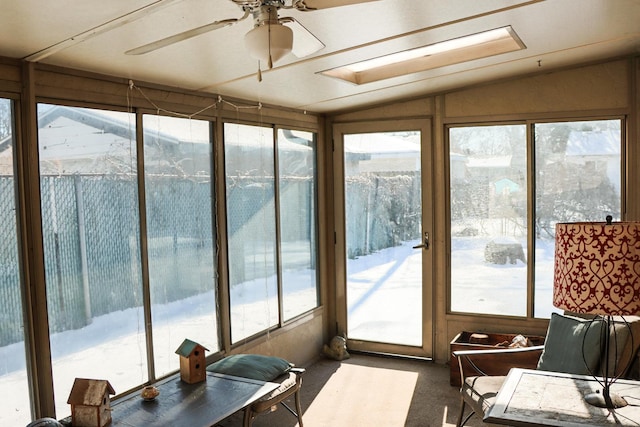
(488, 202)
(91, 237)
(14, 404)
(297, 187)
(180, 236)
(249, 171)
(578, 178)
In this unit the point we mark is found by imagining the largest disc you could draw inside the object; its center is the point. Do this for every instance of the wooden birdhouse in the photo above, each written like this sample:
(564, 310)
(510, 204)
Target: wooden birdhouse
(192, 362)
(90, 403)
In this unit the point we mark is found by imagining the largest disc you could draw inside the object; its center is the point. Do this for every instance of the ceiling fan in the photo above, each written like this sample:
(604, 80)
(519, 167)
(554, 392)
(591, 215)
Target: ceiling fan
(272, 37)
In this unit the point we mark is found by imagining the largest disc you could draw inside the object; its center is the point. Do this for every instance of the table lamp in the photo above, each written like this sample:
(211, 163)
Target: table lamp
(597, 271)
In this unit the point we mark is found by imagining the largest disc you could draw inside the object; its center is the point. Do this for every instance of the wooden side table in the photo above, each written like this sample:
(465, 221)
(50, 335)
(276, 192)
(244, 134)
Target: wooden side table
(540, 398)
(491, 366)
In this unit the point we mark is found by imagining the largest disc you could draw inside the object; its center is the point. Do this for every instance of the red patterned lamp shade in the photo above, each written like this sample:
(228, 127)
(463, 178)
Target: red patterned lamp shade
(597, 268)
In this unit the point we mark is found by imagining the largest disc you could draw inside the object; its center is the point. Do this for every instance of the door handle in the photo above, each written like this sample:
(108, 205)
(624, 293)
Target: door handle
(425, 243)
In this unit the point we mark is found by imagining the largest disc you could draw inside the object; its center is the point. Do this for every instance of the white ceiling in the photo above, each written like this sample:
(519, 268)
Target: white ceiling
(94, 36)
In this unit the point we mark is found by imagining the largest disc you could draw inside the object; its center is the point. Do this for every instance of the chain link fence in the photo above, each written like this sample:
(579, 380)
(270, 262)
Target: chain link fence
(11, 317)
(384, 210)
(92, 259)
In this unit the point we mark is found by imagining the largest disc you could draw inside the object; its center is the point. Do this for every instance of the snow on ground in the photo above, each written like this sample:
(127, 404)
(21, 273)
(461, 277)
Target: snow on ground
(113, 346)
(384, 296)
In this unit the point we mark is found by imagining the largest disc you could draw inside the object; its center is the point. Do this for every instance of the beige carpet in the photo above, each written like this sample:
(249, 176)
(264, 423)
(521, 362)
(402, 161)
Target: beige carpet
(363, 395)
(368, 391)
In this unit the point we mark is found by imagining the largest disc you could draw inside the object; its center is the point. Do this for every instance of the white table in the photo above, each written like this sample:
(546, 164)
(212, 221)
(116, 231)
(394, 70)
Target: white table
(540, 398)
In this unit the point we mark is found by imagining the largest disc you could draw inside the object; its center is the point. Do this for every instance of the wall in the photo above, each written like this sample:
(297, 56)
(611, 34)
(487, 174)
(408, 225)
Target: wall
(608, 88)
(299, 342)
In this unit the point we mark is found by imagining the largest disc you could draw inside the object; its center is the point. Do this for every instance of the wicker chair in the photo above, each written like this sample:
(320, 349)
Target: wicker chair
(290, 384)
(265, 368)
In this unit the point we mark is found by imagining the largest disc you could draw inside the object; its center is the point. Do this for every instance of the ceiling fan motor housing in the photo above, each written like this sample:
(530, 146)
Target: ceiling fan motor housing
(269, 40)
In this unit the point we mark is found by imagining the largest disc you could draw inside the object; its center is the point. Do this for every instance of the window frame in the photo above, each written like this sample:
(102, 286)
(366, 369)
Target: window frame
(143, 186)
(27, 173)
(281, 322)
(531, 194)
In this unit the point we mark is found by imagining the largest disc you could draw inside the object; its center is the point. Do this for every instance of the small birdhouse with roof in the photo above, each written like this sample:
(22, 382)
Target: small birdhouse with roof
(192, 362)
(90, 403)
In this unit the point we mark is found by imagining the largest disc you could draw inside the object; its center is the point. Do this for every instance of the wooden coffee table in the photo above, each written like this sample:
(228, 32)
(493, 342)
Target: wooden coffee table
(540, 398)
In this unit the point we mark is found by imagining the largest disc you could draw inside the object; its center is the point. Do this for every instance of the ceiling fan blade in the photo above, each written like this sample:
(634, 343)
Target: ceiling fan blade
(150, 47)
(304, 42)
(325, 4)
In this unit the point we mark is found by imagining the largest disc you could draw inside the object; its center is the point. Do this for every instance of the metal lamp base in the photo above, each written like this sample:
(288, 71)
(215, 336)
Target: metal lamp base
(600, 400)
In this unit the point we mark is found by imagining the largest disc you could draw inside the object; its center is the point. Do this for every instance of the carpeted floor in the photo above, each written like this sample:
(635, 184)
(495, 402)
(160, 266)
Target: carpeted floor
(368, 391)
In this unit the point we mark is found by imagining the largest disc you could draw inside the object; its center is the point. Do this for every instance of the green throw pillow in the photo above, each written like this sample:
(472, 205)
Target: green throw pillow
(253, 366)
(563, 346)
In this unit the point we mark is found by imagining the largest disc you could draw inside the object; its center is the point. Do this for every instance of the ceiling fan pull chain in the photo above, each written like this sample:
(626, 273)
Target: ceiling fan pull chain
(270, 60)
(259, 72)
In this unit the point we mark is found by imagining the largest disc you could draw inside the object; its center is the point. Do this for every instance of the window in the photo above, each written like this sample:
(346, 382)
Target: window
(577, 177)
(181, 247)
(251, 229)
(14, 388)
(298, 255)
(488, 184)
(90, 222)
(259, 262)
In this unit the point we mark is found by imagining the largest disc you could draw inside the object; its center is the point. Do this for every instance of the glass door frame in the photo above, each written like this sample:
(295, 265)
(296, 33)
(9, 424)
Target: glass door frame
(424, 126)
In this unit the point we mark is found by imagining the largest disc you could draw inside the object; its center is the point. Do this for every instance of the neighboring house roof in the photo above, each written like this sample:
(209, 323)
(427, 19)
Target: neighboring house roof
(368, 145)
(187, 347)
(251, 137)
(88, 141)
(595, 143)
(489, 162)
(89, 392)
(91, 141)
(506, 185)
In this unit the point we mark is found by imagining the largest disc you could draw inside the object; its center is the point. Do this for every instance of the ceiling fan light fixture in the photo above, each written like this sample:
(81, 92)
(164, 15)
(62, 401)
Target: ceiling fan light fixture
(269, 42)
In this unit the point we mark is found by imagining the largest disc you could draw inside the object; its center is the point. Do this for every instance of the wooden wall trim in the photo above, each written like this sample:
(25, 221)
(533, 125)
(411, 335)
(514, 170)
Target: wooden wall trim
(55, 84)
(632, 200)
(32, 252)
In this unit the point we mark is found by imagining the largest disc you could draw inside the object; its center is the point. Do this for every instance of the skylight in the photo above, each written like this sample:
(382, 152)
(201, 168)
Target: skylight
(448, 52)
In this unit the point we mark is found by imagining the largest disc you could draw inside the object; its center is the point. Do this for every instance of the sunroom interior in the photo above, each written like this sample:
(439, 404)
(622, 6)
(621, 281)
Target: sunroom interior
(266, 206)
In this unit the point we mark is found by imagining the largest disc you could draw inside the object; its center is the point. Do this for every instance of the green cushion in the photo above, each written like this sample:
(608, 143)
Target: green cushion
(253, 366)
(563, 346)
